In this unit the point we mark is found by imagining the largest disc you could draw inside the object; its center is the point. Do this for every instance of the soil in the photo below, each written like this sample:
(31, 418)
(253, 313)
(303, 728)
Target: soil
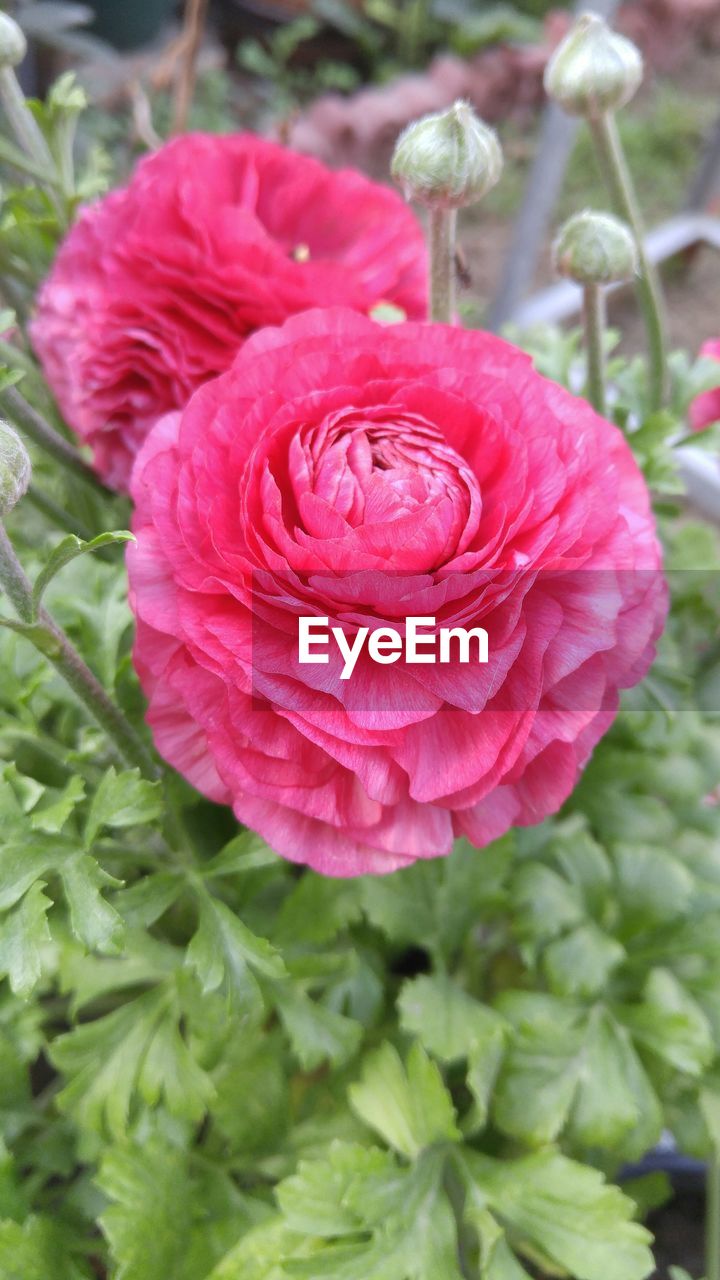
(678, 1231)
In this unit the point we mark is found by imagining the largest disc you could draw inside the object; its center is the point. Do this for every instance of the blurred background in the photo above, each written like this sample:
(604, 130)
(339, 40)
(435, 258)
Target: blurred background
(339, 79)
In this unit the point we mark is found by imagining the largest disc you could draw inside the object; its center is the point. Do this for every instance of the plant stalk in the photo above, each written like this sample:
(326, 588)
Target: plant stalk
(71, 667)
(39, 430)
(712, 1218)
(29, 135)
(594, 324)
(619, 182)
(442, 265)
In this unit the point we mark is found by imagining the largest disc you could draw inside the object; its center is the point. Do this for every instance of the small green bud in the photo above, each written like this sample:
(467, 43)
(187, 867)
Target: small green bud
(15, 469)
(593, 69)
(13, 45)
(448, 159)
(596, 248)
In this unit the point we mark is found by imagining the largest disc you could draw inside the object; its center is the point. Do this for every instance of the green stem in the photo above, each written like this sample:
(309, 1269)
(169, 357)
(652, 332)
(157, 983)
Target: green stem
(69, 664)
(455, 1193)
(29, 135)
(712, 1218)
(622, 193)
(442, 265)
(56, 514)
(41, 433)
(594, 323)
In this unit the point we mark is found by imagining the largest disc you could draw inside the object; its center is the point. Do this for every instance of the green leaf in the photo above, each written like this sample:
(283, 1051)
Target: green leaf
(581, 963)
(448, 1022)
(122, 800)
(562, 1211)
(138, 1049)
(570, 1069)
(318, 909)
(224, 949)
(69, 549)
(39, 1249)
(408, 1106)
(317, 1034)
(671, 1024)
(52, 815)
(93, 920)
(148, 1224)
(24, 934)
(314, 1201)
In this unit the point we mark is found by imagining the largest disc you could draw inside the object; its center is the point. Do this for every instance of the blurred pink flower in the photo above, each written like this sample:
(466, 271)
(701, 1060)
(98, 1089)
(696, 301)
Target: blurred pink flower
(705, 409)
(157, 285)
(364, 475)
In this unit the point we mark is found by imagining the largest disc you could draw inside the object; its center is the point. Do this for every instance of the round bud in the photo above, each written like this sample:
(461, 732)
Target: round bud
(593, 69)
(13, 45)
(596, 248)
(448, 159)
(15, 468)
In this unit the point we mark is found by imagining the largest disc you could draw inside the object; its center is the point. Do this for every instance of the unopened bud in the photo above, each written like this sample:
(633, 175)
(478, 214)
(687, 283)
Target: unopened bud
(448, 159)
(593, 69)
(13, 45)
(595, 248)
(15, 469)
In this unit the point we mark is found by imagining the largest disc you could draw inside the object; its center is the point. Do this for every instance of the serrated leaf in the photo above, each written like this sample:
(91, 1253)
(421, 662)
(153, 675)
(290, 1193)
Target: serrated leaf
(94, 921)
(317, 1199)
(137, 1049)
(571, 1070)
(671, 1024)
(69, 549)
(39, 1249)
(450, 1023)
(408, 1105)
(318, 909)
(224, 949)
(564, 1211)
(122, 800)
(149, 1220)
(580, 963)
(317, 1034)
(24, 934)
(52, 816)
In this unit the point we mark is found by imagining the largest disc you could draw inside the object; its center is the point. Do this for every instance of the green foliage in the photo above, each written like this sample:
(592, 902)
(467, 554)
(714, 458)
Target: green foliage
(215, 1066)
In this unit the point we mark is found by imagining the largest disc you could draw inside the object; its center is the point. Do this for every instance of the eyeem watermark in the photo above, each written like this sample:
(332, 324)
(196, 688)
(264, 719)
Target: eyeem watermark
(386, 645)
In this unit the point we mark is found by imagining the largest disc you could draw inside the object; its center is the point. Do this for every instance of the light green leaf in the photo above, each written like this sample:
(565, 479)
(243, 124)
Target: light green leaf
(565, 1212)
(317, 1034)
(450, 1023)
(137, 1049)
(314, 1201)
(69, 549)
(24, 934)
(224, 949)
(671, 1024)
(52, 816)
(408, 1106)
(149, 1220)
(580, 963)
(123, 800)
(93, 920)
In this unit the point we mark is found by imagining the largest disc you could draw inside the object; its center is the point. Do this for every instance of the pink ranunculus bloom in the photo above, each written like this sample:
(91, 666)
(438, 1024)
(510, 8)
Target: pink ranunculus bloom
(705, 408)
(364, 475)
(158, 284)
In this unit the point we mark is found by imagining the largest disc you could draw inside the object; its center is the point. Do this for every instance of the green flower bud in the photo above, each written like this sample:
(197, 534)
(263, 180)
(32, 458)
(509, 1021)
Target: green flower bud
(15, 469)
(596, 248)
(593, 69)
(13, 45)
(448, 159)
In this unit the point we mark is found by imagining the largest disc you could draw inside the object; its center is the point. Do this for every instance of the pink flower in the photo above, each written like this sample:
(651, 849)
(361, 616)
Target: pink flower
(157, 285)
(364, 475)
(705, 408)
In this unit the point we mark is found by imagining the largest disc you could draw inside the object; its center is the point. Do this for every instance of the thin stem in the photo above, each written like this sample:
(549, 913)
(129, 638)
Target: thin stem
(194, 26)
(56, 514)
(456, 1195)
(41, 433)
(69, 664)
(594, 323)
(619, 182)
(442, 265)
(29, 135)
(712, 1217)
